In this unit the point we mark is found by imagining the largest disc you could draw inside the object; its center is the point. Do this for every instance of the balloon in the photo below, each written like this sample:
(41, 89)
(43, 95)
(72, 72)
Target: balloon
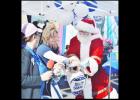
(69, 5)
(81, 10)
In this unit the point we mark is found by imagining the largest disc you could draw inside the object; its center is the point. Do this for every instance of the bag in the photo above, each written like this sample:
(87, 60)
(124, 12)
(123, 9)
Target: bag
(77, 83)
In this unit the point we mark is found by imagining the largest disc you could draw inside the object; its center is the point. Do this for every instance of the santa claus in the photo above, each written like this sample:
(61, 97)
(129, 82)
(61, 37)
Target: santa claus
(87, 45)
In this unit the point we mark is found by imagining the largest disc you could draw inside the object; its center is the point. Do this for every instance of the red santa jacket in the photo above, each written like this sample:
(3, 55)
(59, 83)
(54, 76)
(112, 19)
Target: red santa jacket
(100, 79)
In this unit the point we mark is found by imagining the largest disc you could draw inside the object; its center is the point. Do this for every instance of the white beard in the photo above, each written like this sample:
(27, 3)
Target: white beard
(85, 42)
(83, 39)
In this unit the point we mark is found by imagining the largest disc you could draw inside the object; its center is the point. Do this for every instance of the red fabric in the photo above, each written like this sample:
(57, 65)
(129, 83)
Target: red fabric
(74, 47)
(89, 21)
(80, 97)
(97, 49)
(100, 79)
(103, 94)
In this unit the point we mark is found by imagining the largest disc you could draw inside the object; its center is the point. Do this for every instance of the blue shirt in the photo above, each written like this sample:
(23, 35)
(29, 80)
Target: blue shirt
(41, 50)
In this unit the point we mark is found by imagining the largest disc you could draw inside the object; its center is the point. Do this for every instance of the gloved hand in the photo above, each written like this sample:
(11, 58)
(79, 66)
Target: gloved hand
(46, 76)
(58, 69)
(73, 64)
(92, 64)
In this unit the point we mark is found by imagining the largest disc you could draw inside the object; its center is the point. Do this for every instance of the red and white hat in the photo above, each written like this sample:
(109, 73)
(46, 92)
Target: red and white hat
(87, 25)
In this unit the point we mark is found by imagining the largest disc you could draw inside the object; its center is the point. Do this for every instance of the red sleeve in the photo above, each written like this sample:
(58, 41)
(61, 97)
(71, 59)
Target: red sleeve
(97, 50)
(73, 47)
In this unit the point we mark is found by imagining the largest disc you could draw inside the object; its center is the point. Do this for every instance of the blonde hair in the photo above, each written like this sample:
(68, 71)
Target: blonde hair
(48, 32)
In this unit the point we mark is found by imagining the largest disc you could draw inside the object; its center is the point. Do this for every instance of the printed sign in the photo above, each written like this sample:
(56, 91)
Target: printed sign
(77, 84)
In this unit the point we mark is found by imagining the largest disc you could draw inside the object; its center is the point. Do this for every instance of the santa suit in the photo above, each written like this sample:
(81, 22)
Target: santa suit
(92, 48)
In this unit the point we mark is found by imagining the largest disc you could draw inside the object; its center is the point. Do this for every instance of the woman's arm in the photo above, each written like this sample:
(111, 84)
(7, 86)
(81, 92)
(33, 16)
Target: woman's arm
(51, 55)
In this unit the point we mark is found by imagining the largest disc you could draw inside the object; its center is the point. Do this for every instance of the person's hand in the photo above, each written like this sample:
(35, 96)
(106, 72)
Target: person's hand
(84, 64)
(92, 64)
(46, 76)
(87, 72)
(58, 69)
(74, 64)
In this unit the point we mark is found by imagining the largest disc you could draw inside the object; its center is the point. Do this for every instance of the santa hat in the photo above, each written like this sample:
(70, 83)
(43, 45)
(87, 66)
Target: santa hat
(87, 25)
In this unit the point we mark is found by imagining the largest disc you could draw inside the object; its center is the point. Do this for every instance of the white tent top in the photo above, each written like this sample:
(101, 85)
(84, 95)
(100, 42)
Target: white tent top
(104, 8)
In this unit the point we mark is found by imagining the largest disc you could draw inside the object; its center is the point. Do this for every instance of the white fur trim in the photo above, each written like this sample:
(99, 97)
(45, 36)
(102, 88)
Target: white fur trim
(96, 36)
(86, 27)
(90, 37)
(85, 45)
(93, 66)
(96, 57)
(84, 50)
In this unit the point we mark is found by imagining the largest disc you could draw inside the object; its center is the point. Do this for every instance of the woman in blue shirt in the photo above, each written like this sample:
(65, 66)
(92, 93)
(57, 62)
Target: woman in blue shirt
(48, 51)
